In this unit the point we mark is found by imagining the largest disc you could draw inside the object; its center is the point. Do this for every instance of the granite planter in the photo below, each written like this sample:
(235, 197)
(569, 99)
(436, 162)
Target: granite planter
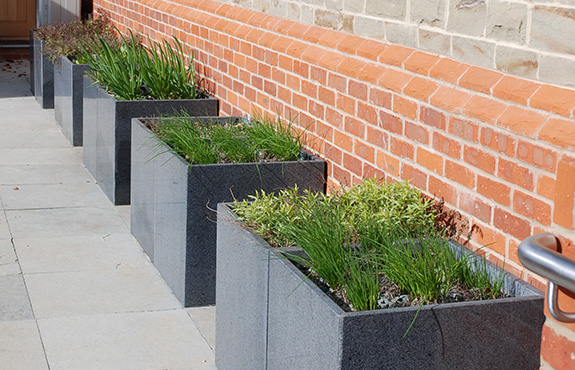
(68, 98)
(269, 316)
(107, 133)
(173, 207)
(41, 73)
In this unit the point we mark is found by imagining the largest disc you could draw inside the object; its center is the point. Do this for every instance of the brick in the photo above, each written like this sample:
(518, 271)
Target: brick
(390, 122)
(537, 155)
(448, 70)
(559, 132)
(326, 95)
(564, 202)
(346, 104)
(334, 117)
(395, 55)
(480, 79)
(429, 160)
(404, 106)
(484, 109)
(401, 148)
(377, 136)
(432, 118)
(313, 34)
(558, 350)
(388, 163)
(350, 44)
(341, 175)
(496, 191)
(554, 99)
(498, 141)
(532, 207)
(515, 89)
(370, 172)
(282, 44)
(394, 80)
(372, 73)
(365, 151)
(343, 140)
(350, 67)
(318, 74)
(372, 50)
(352, 164)
(316, 109)
(546, 186)
(299, 101)
(313, 55)
(521, 121)
(325, 132)
(491, 238)
(480, 159)
(331, 38)
(420, 62)
(357, 89)
(415, 177)
(420, 88)
(380, 98)
(442, 190)
(337, 82)
(515, 174)
(333, 153)
(416, 132)
(450, 99)
(446, 145)
(475, 206)
(301, 68)
(460, 174)
(309, 89)
(511, 224)
(355, 127)
(367, 113)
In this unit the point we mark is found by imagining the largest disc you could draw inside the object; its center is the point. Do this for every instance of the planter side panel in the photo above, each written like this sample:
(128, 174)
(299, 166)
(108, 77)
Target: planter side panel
(90, 124)
(241, 295)
(43, 76)
(32, 62)
(303, 326)
(213, 184)
(68, 98)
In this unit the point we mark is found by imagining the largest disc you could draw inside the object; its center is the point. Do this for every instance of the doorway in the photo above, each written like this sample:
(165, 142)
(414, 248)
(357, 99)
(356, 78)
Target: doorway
(17, 18)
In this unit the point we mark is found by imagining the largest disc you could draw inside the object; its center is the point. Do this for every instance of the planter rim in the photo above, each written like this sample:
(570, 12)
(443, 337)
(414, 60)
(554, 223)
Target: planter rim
(278, 253)
(310, 156)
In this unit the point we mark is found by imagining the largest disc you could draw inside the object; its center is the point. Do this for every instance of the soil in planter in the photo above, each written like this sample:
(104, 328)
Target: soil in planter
(391, 296)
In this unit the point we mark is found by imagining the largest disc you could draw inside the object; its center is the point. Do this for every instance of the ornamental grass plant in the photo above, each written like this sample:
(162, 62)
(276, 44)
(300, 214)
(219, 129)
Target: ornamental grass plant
(260, 139)
(373, 246)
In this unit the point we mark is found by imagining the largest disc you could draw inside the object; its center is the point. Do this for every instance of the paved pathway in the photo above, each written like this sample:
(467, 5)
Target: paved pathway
(76, 290)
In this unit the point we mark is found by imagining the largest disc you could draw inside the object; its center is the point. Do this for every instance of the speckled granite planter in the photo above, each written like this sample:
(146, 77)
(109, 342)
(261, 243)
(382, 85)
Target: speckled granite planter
(107, 133)
(269, 316)
(68, 98)
(41, 73)
(172, 212)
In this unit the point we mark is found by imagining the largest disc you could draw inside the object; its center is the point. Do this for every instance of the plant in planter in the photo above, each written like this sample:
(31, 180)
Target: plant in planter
(381, 288)
(63, 46)
(134, 81)
(183, 167)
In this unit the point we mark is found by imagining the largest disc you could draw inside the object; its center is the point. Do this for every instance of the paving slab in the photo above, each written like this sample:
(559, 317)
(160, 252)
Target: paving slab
(52, 196)
(128, 341)
(205, 320)
(44, 174)
(26, 156)
(45, 223)
(48, 139)
(8, 260)
(125, 289)
(14, 302)
(4, 230)
(20, 346)
(79, 253)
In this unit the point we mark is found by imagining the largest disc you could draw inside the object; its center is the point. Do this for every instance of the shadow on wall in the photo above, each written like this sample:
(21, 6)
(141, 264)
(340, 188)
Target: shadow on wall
(56, 11)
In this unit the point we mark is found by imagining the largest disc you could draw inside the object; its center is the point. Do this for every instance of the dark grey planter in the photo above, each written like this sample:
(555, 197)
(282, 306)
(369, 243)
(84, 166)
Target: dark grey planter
(68, 98)
(42, 73)
(107, 133)
(173, 207)
(269, 316)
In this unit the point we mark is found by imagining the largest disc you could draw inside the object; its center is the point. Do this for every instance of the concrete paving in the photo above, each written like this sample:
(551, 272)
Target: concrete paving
(76, 289)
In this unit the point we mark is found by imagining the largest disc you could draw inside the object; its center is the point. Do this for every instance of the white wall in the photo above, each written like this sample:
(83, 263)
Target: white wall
(56, 11)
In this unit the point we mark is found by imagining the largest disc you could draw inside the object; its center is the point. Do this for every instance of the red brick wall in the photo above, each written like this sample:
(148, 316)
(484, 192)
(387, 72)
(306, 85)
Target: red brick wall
(499, 148)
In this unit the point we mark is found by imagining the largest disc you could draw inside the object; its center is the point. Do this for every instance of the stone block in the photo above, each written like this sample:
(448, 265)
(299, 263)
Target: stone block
(173, 207)
(507, 21)
(467, 17)
(42, 72)
(549, 25)
(476, 52)
(68, 98)
(328, 19)
(436, 42)
(557, 70)
(402, 34)
(354, 6)
(518, 62)
(392, 9)
(428, 12)
(369, 27)
(107, 133)
(278, 8)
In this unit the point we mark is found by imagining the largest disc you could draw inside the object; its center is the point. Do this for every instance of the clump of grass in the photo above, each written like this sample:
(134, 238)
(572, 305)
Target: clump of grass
(369, 238)
(67, 38)
(258, 140)
(133, 71)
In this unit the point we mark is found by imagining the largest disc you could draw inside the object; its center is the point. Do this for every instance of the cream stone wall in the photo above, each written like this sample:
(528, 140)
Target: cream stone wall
(531, 39)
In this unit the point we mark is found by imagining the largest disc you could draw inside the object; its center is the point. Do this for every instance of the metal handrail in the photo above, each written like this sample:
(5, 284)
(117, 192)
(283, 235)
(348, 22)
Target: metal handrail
(539, 254)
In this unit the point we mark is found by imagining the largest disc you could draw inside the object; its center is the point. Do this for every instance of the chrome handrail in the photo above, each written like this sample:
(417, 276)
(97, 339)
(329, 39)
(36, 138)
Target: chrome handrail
(539, 254)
